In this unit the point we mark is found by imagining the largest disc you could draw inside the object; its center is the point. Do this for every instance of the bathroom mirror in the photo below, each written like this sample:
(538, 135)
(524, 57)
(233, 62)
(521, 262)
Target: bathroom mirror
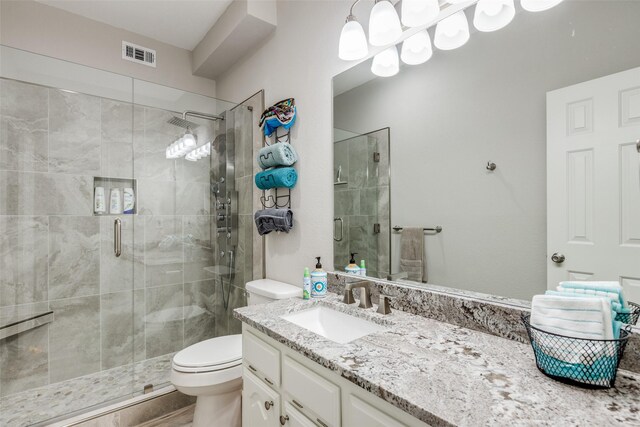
(516, 153)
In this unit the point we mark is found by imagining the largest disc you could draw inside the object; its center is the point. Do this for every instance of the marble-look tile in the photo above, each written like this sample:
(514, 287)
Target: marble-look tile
(346, 202)
(222, 314)
(117, 138)
(199, 315)
(369, 201)
(74, 338)
(192, 198)
(163, 257)
(156, 197)
(198, 250)
(383, 203)
(121, 315)
(358, 162)
(74, 256)
(26, 193)
(164, 319)
(237, 299)
(23, 259)
(24, 126)
(74, 133)
(341, 163)
(150, 160)
(24, 361)
(244, 188)
(125, 272)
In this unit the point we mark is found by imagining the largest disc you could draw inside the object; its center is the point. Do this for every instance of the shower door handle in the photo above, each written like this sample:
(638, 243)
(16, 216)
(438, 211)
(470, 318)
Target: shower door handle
(341, 229)
(117, 237)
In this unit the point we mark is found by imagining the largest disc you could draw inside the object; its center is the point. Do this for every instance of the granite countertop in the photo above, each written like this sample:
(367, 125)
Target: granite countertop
(448, 375)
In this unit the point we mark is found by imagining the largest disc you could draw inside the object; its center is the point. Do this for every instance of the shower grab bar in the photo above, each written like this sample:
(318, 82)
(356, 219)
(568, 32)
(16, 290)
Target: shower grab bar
(117, 237)
(437, 229)
(14, 327)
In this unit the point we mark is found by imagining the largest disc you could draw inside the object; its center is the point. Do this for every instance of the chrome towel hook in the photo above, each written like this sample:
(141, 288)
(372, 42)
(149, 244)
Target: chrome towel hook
(491, 166)
(638, 145)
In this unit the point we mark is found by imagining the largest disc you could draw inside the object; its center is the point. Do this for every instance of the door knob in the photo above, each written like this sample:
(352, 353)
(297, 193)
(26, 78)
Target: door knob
(268, 405)
(557, 258)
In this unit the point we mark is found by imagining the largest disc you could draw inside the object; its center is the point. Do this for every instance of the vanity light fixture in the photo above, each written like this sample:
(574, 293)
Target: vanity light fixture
(452, 32)
(353, 42)
(492, 15)
(416, 49)
(199, 153)
(539, 5)
(386, 63)
(419, 12)
(181, 146)
(384, 24)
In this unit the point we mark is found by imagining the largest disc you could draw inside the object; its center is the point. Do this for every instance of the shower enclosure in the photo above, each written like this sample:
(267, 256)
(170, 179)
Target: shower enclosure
(94, 305)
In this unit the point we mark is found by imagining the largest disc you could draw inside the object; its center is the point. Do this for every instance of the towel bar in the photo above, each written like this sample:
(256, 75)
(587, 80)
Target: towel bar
(437, 229)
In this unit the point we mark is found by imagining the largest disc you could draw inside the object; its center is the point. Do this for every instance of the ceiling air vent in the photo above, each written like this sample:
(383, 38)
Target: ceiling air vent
(142, 55)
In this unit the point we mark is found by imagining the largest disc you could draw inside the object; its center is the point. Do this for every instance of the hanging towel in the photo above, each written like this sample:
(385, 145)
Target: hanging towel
(276, 178)
(268, 220)
(412, 254)
(280, 154)
(282, 113)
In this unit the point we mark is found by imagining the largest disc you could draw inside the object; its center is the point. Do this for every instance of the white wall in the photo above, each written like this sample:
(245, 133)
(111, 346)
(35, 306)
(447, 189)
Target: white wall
(298, 60)
(482, 102)
(42, 29)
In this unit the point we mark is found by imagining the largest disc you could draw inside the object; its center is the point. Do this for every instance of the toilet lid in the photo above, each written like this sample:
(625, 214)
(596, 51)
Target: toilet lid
(212, 352)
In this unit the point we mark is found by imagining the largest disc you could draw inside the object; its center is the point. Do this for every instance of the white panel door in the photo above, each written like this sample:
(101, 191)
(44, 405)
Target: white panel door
(593, 181)
(260, 404)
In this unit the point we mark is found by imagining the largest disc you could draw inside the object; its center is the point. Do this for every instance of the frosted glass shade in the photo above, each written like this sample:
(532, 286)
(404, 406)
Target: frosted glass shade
(189, 140)
(419, 12)
(384, 24)
(353, 42)
(491, 15)
(416, 49)
(539, 5)
(386, 63)
(452, 32)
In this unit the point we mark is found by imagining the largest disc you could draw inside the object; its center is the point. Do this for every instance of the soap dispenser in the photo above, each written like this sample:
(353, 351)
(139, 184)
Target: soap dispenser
(352, 268)
(318, 281)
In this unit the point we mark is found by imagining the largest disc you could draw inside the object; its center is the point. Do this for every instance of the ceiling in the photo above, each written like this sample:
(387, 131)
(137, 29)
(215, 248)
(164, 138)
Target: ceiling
(181, 23)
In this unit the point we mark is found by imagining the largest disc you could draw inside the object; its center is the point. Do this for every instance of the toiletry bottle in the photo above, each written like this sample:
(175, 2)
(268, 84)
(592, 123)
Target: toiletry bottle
(352, 268)
(115, 205)
(99, 202)
(363, 268)
(306, 284)
(318, 281)
(129, 200)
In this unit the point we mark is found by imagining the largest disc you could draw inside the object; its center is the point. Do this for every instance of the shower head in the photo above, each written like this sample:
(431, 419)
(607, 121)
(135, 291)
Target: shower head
(183, 123)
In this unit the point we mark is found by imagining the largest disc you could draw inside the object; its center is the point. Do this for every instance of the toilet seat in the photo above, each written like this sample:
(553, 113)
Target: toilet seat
(211, 355)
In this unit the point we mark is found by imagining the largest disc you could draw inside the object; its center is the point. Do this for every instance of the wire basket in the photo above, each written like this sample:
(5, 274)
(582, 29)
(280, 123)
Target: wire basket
(630, 318)
(577, 361)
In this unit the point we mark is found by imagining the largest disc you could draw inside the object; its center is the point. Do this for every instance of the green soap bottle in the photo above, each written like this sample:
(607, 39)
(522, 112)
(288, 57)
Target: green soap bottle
(306, 284)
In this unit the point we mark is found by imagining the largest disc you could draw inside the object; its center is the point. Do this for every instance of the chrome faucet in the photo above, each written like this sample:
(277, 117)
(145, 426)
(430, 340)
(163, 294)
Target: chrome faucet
(365, 293)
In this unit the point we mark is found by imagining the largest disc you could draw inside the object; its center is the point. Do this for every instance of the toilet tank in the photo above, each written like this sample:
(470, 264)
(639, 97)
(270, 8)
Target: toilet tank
(266, 290)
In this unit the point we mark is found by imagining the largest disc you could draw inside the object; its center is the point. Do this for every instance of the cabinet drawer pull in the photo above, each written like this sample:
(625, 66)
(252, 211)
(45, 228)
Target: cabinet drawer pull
(284, 419)
(297, 404)
(321, 422)
(268, 404)
(252, 368)
(268, 381)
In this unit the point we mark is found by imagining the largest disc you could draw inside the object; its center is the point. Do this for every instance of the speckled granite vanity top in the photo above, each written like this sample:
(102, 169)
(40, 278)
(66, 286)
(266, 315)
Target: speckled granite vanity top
(449, 375)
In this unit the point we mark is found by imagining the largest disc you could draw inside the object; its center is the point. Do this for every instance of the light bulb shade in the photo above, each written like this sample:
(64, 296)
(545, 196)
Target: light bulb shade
(419, 12)
(492, 15)
(189, 140)
(452, 32)
(539, 5)
(353, 42)
(384, 24)
(386, 63)
(416, 49)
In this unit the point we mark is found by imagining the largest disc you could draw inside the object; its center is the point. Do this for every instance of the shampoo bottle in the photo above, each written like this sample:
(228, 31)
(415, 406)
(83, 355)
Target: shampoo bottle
(363, 268)
(318, 281)
(129, 200)
(99, 202)
(115, 201)
(306, 284)
(352, 268)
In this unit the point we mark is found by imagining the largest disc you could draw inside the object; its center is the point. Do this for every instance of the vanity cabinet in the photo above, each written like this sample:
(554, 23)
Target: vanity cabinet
(303, 393)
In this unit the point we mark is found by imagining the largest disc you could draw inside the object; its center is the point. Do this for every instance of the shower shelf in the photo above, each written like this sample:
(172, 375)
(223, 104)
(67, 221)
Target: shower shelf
(108, 183)
(15, 325)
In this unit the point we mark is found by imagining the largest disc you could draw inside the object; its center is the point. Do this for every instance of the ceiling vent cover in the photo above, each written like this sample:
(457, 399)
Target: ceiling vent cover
(141, 55)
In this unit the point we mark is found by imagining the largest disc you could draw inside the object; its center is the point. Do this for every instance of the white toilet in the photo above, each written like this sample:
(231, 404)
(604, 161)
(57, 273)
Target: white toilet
(211, 370)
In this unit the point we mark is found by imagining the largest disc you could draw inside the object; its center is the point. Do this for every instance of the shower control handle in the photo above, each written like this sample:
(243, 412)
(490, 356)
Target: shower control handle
(117, 237)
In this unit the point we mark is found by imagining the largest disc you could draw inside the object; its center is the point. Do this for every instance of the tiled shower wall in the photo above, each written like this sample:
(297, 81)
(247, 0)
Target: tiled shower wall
(362, 201)
(155, 299)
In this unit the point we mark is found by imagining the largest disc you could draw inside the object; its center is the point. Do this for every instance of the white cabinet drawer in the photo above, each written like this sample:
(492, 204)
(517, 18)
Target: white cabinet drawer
(359, 413)
(295, 418)
(260, 404)
(314, 396)
(261, 358)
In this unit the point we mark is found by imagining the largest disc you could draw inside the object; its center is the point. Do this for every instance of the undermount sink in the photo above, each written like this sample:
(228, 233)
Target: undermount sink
(333, 325)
